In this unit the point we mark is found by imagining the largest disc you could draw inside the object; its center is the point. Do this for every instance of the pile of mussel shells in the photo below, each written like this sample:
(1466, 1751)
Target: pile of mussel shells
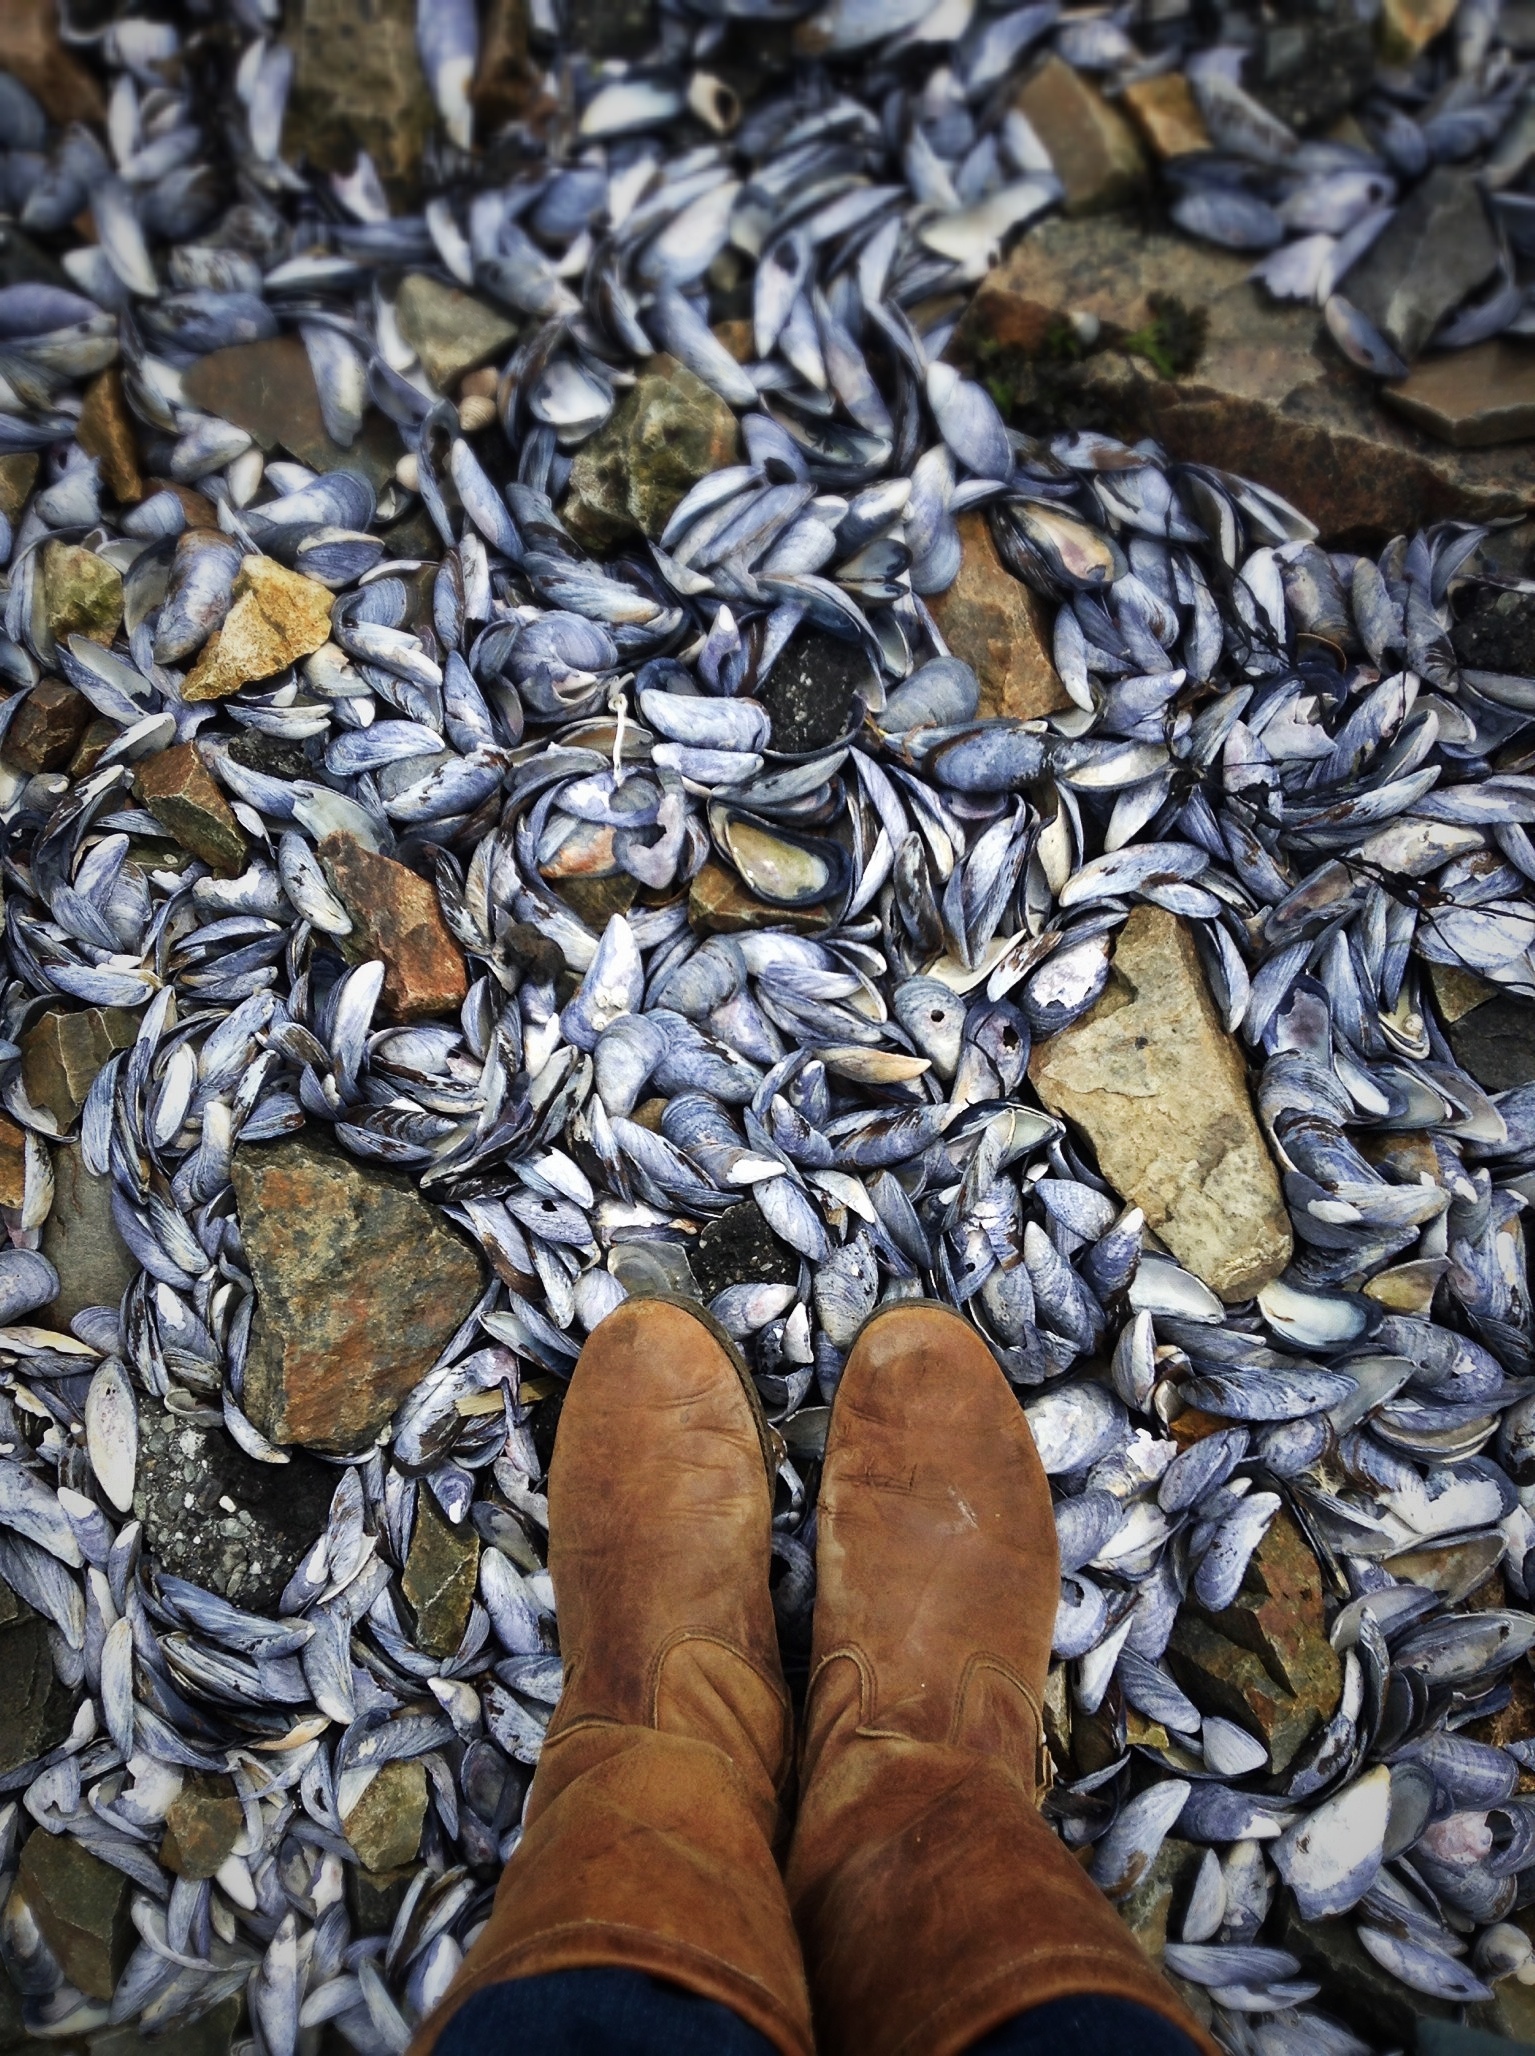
(763, 918)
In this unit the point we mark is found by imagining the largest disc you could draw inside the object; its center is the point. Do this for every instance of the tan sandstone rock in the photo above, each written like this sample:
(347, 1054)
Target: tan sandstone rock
(1161, 1091)
(1000, 628)
(278, 616)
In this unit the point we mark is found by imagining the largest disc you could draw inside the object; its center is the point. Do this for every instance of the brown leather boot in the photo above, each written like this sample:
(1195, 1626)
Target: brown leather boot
(932, 1900)
(650, 1827)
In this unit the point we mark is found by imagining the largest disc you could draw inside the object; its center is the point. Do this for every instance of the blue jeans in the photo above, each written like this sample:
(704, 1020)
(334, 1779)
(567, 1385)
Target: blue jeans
(625, 2013)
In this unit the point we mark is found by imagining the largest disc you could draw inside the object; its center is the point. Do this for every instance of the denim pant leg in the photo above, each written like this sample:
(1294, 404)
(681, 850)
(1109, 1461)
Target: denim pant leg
(1086, 2025)
(598, 2012)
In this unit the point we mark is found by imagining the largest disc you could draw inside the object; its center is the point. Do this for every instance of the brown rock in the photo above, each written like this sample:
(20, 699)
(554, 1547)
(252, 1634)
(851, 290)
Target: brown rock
(202, 1825)
(358, 85)
(178, 789)
(384, 1826)
(719, 904)
(1166, 113)
(669, 431)
(31, 49)
(1000, 628)
(47, 727)
(105, 430)
(199, 510)
(18, 475)
(1280, 1615)
(81, 1241)
(451, 331)
(13, 1164)
(1472, 399)
(358, 1282)
(737, 338)
(506, 82)
(1091, 145)
(1408, 26)
(440, 1572)
(64, 1049)
(396, 918)
(82, 593)
(1269, 391)
(1161, 1091)
(99, 736)
(277, 617)
(268, 390)
(81, 1905)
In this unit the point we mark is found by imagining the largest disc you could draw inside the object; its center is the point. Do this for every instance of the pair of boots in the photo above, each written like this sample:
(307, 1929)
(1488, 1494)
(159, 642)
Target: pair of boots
(923, 1901)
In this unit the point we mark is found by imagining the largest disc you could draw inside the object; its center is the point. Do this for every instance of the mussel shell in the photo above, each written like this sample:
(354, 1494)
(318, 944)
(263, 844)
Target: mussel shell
(778, 866)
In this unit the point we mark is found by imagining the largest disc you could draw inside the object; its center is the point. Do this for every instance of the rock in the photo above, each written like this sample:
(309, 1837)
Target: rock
(610, 28)
(1472, 399)
(358, 1282)
(13, 1163)
(46, 728)
(1501, 2026)
(384, 1826)
(31, 50)
(99, 736)
(1498, 632)
(450, 330)
(1167, 1881)
(375, 1897)
(277, 617)
(739, 1248)
(440, 1572)
(1311, 68)
(37, 1709)
(669, 431)
(198, 509)
(596, 900)
(1280, 1615)
(216, 1516)
(1269, 389)
(22, 260)
(1437, 248)
(719, 904)
(18, 475)
(81, 1241)
(1354, 1986)
(396, 917)
(812, 693)
(1408, 26)
(268, 390)
(1264, 1661)
(1166, 113)
(358, 85)
(1495, 1042)
(505, 81)
(1161, 1091)
(82, 593)
(1001, 628)
(202, 1824)
(1457, 992)
(105, 431)
(212, 2034)
(178, 789)
(81, 1906)
(1092, 146)
(64, 1049)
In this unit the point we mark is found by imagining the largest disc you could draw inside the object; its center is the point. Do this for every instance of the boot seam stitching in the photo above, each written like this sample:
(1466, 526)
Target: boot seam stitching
(682, 1636)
